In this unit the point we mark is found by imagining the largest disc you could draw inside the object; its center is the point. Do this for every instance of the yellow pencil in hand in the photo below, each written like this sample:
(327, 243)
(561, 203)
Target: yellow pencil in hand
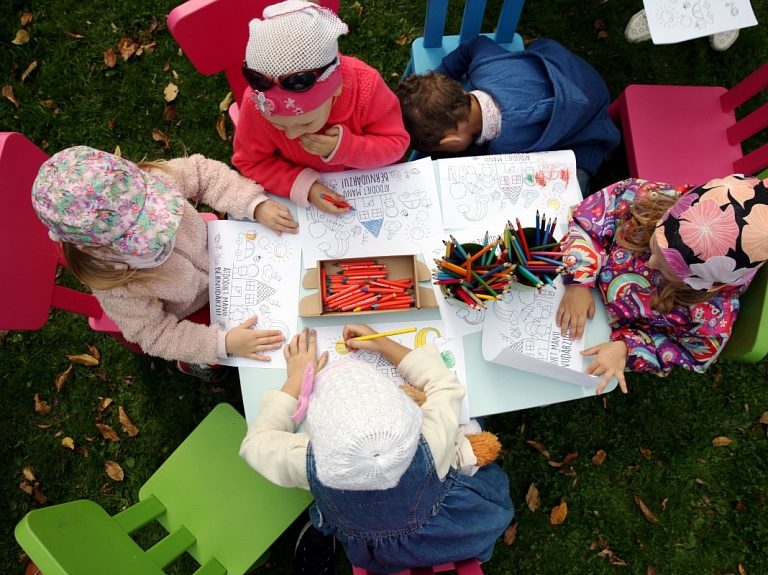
(383, 334)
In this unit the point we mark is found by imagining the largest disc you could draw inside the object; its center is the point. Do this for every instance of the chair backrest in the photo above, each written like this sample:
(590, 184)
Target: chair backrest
(751, 124)
(213, 505)
(749, 339)
(465, 567)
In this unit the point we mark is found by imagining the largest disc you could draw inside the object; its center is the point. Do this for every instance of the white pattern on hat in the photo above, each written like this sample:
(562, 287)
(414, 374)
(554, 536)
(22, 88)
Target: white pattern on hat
(363, 429)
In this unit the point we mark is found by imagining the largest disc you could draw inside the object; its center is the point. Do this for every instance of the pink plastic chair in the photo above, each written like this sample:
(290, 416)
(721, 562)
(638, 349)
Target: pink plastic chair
(214, 33)
(466, 567)
(689, 134)
(28, 257)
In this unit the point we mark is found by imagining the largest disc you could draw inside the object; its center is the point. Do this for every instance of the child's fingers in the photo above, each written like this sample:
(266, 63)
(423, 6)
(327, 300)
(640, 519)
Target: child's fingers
(323, 361)
(251, 321)
(258, 357)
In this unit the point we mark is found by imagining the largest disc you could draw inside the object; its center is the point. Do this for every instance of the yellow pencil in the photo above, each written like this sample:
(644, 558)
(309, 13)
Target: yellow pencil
(383, 334)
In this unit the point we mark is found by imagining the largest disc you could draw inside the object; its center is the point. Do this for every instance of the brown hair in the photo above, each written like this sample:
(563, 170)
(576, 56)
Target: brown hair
(432, 104)
(634, 233)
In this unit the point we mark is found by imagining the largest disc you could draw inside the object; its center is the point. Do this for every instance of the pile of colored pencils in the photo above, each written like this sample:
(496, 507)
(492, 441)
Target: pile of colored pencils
(537, 264)
(473, 278)
(363, 285)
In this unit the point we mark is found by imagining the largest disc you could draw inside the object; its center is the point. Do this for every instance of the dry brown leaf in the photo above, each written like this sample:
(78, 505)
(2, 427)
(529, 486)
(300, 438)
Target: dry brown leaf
(61, 379)
(359, 10)
(83, 359)
(153, 24)
(598, 457)
(26, 18)
(555, 463)
(36, 494)
(148, 48)
(599, 24)
(29, 473)
(158, 136)
(44, 425)
(41, 407)
(107, 432)
(69, 443)
(50, 104)
(118, 152)
(226, 102)
(22, 37)
(8, 94)
(127, 424)
(110, 58)
(532, 498)
(613, 559)
(104, 403)
(28, 71)
(170, 113)
(650, 570)
(170, 92)
(721, 441)
(510, 533)
(94, 352)
(73, 35)
(646, 512)
(646, 452)
(538, 447)
(126, 47)
(168, 64)
(400, 41)
(81, 450)
(570, 458)
(742, 571)
(559, 512)
(603, 34)
(221, 127)
(107, 488)
(114, 470)
(763, 418)
(664, 504)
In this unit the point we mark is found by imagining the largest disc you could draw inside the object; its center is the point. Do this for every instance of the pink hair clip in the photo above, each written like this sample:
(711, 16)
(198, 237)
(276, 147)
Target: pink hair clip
(307, 382)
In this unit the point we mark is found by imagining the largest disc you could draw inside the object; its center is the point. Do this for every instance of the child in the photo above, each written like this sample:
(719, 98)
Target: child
(309, 109)
(379, 467)
(670, 268)
(543, 98)
(130, 234)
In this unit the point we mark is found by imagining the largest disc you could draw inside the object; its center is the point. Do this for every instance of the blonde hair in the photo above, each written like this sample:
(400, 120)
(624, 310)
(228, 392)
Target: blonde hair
(634, 233)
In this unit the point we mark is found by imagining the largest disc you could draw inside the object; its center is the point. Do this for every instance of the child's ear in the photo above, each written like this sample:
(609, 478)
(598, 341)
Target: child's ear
(450, 137)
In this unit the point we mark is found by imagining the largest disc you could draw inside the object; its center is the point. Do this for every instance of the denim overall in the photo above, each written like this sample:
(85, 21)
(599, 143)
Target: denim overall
(420, 522)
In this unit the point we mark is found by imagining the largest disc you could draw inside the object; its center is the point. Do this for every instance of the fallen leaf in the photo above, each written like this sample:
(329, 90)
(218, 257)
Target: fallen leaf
(558, 514)
(81, 450)
(22, 37)
(599, 24)
(664, 504)
(598, 457)
(650, 570)
(94, 352)
(646, 512)
(400, 41)
(613, 559)
(646, 452)
(8, 93)
(763, 418)
(700, 481)
(110, 58)
(126, 47)
(153, 24)
(107, 432)
(148, 48)
(29, 473)
(41, 407)
(221, 127)
(118, 152)
(28, 71)
(226, 102)
(170, 92)
(104, 403)
(68, 442)
(168, 64)
(26, 18)
(538, 447)
(107, 488)
(114, 470)
(570, 458)
(111, 122)
(44, 425)
(532, 498)
(50, 104)
(74, 35)
(721, 441)
(128, 425)
(175, 74)
(36, 494)
(61, 379)
(84, 359)
(555, 463)
(158, 136)
(170, 113)
(510, 533)
(742, 571)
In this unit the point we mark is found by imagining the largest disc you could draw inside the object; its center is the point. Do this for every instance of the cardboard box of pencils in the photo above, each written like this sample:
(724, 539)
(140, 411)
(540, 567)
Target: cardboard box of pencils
(366, 285)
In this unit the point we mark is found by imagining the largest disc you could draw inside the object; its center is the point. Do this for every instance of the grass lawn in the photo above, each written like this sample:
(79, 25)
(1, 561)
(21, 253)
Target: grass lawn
(708, 501)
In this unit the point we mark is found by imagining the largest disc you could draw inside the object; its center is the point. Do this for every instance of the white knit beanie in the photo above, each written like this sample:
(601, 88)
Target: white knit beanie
(363, 429)
(293, 36)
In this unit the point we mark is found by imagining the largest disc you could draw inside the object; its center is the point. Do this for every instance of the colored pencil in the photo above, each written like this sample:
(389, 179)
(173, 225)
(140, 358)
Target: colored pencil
(336, 203)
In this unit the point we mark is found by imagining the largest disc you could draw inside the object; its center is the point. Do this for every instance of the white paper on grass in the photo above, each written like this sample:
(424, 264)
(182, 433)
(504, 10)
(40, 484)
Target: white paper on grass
(396, 207)
(253, 271)
(671, 21)
(520, 332)
(489, 190)
(451, 350)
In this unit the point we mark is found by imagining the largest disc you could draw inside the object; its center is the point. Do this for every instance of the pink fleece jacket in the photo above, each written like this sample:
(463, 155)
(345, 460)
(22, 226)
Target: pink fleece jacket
(150, 313)
(372, 135)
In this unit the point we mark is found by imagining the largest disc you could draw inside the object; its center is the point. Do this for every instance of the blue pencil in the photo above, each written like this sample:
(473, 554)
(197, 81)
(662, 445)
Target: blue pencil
(538, 228)
(548, 260)
(459, 248)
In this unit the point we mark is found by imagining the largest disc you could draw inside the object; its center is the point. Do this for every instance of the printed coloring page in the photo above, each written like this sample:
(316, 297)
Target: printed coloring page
(671, 21)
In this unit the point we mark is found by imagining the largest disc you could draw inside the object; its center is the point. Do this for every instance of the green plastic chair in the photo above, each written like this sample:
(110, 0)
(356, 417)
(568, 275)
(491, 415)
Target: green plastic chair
(213, 505)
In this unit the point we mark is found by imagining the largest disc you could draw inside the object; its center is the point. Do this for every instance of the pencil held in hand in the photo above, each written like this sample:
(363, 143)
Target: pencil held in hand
(382, 334)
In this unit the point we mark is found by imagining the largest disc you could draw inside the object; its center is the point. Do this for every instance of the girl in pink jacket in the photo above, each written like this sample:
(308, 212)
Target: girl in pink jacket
(130, 233)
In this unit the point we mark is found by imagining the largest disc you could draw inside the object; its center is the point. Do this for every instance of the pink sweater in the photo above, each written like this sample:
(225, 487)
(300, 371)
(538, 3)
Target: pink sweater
(150, 314)
(372, 135)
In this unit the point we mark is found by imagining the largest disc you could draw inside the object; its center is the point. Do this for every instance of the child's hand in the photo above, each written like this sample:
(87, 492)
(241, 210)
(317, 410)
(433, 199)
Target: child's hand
(247, 342)
(299, 352)
(276, 216)
(356, 330)
(324, 205)
(576, 306)
(610, 362)
(321, 145)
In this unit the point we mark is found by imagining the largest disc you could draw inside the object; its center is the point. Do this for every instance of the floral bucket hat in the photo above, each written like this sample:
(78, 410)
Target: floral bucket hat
(717, 233)
(92, 198)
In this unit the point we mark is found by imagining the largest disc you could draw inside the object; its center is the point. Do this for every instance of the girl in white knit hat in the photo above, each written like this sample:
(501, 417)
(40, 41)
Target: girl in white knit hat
(309, 109)
(379, 467)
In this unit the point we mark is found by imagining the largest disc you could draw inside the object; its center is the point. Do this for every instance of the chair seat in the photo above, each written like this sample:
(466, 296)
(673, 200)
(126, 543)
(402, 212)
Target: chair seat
(426, 59)
(691, 147)
(64, 539)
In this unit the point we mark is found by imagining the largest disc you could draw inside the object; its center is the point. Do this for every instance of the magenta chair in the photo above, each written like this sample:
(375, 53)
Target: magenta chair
(28, 257)
(689, 134)
(466, 567)
(214, 33)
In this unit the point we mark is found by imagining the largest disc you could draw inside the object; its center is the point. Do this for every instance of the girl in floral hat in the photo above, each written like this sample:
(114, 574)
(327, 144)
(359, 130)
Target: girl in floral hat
(670, 265)
(309, 109)
(130, 234)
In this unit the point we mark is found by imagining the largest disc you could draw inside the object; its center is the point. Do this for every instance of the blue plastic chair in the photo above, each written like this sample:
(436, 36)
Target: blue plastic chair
(427, 52)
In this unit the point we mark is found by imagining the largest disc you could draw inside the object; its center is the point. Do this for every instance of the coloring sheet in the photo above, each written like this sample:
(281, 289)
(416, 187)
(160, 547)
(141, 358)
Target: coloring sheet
(671, 21)
(520, 332)
(451, 350)
(396, 207)
(253, 271)
(488, 190)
